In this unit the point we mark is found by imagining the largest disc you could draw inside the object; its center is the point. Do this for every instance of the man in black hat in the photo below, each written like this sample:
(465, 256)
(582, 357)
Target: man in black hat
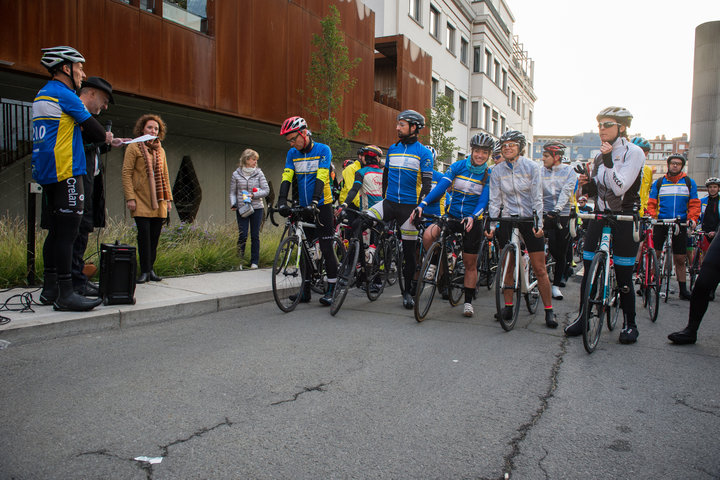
(96, 95)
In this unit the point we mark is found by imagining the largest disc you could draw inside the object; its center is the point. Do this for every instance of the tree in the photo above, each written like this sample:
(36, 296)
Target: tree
(440, 120)
(328, 80)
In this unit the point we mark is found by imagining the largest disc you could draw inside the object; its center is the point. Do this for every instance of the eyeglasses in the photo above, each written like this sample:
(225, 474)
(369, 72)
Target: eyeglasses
(292, 140)
(676, 164)
(510, 144)
(607, 124)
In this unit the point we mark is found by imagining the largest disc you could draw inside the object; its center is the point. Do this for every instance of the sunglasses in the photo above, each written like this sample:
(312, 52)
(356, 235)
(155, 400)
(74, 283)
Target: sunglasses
(607, 124)
(510, 144)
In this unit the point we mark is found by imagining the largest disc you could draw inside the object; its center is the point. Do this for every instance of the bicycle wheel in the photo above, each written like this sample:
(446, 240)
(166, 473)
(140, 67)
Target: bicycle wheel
(614, 309)
(651, 290)
(375, 275)
(346, 276)
(666, 271)
(428, 281)
(506, 260)
(594, 307)
(391, 265)
(400, 262)
(456, 273)
(532, 297)
(694, 269)
(287, 275)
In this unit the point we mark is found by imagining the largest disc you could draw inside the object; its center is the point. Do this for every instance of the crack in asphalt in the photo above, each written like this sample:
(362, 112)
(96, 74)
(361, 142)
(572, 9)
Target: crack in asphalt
(681, 401)
(540, 465)
(524, 429)
(316, 388)
(147, 467)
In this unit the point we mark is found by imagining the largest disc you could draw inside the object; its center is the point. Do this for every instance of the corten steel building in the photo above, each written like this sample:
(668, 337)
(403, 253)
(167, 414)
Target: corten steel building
(222, 74)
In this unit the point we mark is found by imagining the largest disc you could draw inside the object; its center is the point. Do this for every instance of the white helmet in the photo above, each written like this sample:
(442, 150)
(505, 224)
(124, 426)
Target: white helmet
(54, 56)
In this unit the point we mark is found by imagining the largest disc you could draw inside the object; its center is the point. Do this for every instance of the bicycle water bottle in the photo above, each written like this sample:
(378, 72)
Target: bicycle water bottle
(317, 251)
(369, 253)
(526, 260)
(452, 259)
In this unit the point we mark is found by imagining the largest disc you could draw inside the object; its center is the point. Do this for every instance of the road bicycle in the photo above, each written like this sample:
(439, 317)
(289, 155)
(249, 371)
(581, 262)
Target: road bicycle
(361, 266)
(666, 254)
(693, 270)
(299, 266)
(392, 247)
(487, 263)
(442, 266)
(648, 272)
(515, 273)
(602, 296)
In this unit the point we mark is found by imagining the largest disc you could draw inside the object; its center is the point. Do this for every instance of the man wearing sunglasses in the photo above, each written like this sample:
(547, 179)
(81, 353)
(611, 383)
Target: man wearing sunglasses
(614, 184)
(310, 161)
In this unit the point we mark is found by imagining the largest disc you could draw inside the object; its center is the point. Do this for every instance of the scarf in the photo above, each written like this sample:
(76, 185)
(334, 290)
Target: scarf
(477, 169)
(248, 171)
(159, 189)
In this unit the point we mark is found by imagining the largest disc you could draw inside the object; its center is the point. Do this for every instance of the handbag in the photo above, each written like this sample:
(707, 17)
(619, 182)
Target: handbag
(245, 209)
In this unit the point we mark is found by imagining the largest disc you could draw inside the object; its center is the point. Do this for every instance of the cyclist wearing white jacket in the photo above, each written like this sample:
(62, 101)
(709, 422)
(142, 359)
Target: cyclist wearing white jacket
(614, 183)
(559, 182)
(516, 190)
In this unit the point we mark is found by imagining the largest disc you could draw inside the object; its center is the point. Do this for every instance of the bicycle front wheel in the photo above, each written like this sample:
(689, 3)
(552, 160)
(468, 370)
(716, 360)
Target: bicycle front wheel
(666, 271)
(506, 271)
(287, 275)
(391, 257)
(346, 276)
(651, 290)
(428, 281)
(594, 302)
(456, 273)
(375, 275)
(532, 296)
(614, 309)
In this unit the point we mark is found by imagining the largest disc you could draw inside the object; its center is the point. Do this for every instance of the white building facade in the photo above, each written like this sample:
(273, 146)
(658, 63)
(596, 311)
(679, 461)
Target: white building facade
(476, 60)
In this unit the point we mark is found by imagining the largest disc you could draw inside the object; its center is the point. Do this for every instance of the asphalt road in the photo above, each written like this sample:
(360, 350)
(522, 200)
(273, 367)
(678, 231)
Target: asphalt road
(255, 393)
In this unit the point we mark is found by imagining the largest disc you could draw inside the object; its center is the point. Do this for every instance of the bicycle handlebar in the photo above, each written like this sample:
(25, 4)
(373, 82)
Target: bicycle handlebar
(609, 216)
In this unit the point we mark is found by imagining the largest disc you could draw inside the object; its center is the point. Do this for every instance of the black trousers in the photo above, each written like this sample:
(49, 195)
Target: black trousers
(706, 283)
(558, 241)
(148, 235)
(64, 209)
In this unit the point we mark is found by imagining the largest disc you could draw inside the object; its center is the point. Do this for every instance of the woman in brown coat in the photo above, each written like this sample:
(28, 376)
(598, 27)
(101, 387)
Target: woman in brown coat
(146, 184)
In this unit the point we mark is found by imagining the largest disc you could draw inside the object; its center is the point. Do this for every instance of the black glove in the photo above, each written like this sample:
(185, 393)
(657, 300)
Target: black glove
(551, 220)
(607, 160)
(283, 210)
(581, 170)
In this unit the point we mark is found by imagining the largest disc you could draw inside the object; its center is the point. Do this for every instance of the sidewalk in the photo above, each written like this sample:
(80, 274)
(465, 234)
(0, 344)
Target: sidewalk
(176, 297)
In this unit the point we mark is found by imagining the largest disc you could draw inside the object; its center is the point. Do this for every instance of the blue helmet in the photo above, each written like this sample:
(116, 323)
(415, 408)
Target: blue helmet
(642, 143)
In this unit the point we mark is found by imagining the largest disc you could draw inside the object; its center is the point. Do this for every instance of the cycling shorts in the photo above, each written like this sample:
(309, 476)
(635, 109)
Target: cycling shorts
(532, 243)
(471, 240)
(66, 197)
(400, 212)
(679, 241)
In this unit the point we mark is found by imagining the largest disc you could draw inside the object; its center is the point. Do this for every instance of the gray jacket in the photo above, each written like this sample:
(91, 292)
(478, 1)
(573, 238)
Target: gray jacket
(617, 188)
(558, 186)
(517, 190)
(240, 182)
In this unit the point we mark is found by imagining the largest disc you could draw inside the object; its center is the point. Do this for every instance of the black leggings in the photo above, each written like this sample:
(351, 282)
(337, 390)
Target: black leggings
(706, 283)
(325, 232)
(65, 203)
(558, 241)
(148, 235)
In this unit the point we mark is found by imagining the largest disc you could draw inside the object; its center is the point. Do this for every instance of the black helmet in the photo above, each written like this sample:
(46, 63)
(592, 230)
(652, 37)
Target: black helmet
(556, 148)
(482, 140)
(620, 114)
(513, 136)
(679, 156)
(412, 117)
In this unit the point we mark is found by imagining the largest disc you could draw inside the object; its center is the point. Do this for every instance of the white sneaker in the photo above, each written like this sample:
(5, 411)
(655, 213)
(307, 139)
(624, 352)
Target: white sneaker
(468, 310)
(254, 267)
(556, 293)
(430, 274)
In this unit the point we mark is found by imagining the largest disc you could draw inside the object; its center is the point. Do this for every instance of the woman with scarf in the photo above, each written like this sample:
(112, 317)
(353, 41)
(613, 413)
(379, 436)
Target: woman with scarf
(146, 184)
(248, 186)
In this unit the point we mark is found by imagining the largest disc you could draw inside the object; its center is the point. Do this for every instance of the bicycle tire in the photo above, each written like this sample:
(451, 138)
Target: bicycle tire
(428, 282)
(651, 289)
(507, 324)
(391, 268)
(456, 274)
(694, 269)
(288, 276)
(532, 297)
(666, 263)
(594, 303)
(346, 276)
(614, 308)
(375, 276)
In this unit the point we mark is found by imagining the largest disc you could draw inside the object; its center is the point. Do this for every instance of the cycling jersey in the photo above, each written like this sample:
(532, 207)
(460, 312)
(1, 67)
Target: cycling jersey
(558, 186)
(368, 181)
(710, 218)
(672, 197)
(517, 188)
(645, 185)
(470, 191)
(405, 165)
(58, 152)
(348, 175)
(617, 188)
(309, 166)
(437, 207)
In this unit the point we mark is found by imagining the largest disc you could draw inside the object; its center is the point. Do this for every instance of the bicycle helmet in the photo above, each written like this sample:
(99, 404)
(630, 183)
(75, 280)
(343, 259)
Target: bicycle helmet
(433, 151)
(679, 156)
(349, 161)
(482, 140)
(412, 117)
(497, 152)
(293, 124)
(555, 148)
(54, 57)
(620, 114)
(642, 143)
(513, 136)
(712, 181)
(372, 151)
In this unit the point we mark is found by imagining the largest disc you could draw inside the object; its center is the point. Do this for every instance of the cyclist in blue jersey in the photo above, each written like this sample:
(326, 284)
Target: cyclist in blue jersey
(368, 179)
(406, 180)
(437, 207)
(309, 162)
(470, 193)
(60, 121)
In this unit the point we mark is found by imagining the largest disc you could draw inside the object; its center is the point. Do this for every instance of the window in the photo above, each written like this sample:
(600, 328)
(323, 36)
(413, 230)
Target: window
(530, 117)
(434, 22)
(474, 114)
(488, 62)
(435, 87)
(462, 109)
(450, 38)
(497, 72)
(486, 112)
(504, 81)
(503, 125)
(190, 13)
(477, 59)
(464, 47)
(495, 123)
(416, 10)
(450, 93)
(512, 100)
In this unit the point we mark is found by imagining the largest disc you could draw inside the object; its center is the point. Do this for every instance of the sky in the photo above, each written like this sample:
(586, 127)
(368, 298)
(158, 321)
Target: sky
(589, 55)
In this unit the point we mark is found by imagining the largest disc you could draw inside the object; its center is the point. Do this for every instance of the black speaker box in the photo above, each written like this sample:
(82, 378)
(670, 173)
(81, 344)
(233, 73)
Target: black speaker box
(118, 270)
